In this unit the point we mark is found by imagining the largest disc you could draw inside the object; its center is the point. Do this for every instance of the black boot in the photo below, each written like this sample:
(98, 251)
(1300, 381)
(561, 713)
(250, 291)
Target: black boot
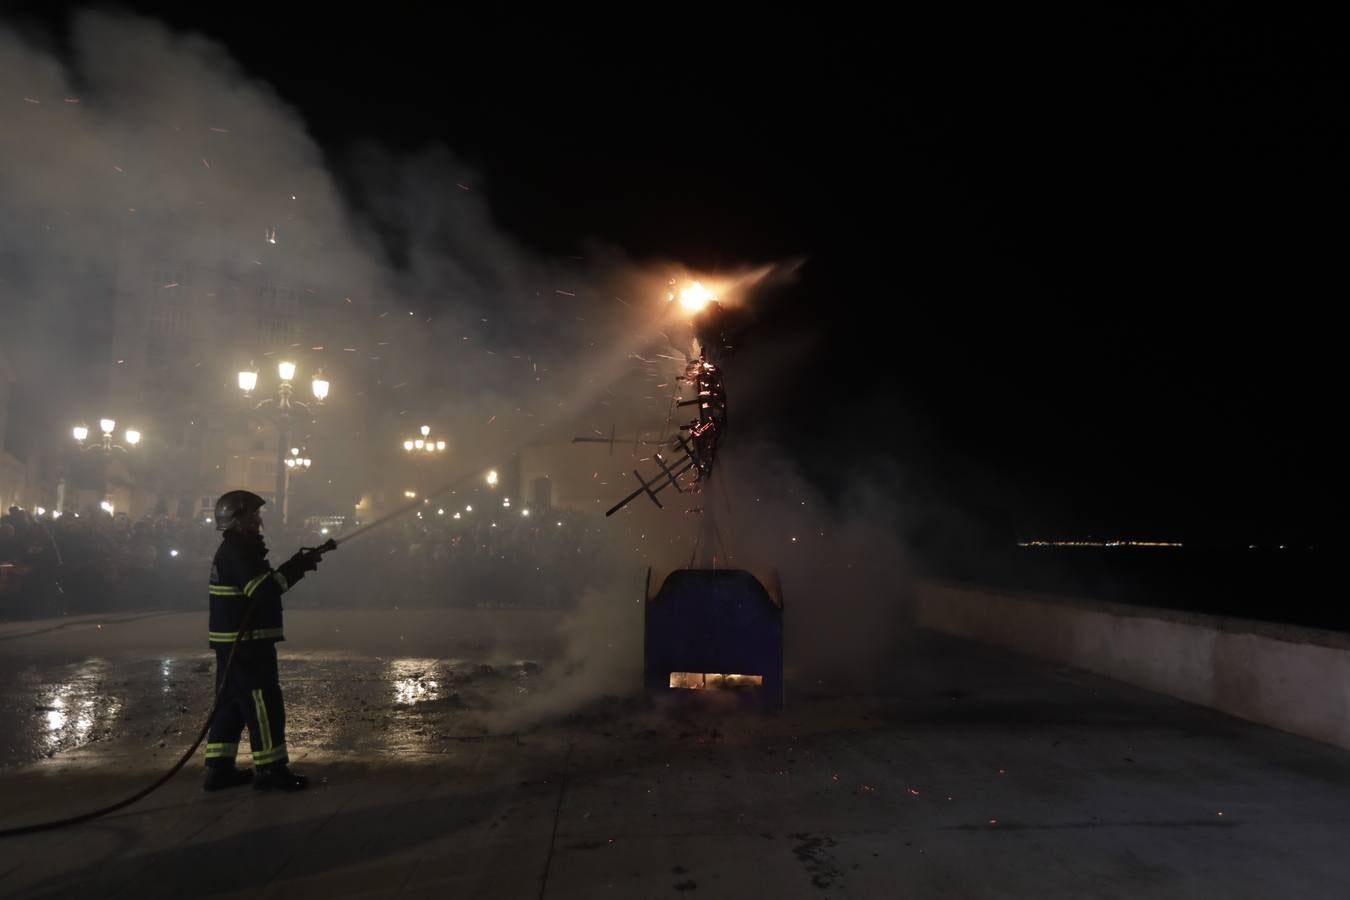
(279, 778)
(218, 778)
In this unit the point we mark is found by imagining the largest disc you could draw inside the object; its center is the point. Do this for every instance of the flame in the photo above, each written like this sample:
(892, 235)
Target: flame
(703, 681)
(695, 296)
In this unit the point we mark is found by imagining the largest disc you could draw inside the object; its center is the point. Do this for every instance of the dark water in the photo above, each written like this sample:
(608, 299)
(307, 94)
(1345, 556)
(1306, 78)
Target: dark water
(1291, 586)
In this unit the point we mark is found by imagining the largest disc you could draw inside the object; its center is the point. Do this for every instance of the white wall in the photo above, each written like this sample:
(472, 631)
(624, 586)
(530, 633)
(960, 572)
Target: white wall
(1294, 679)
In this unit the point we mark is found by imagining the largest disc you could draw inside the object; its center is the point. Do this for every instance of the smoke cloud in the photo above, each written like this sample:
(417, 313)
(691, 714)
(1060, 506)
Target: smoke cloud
(141, 149)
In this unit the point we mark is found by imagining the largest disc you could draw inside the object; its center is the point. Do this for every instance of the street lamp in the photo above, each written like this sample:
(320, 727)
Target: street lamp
(319, 385)
(105, 443)
(295, 465)
(492, 478)
(424, 443)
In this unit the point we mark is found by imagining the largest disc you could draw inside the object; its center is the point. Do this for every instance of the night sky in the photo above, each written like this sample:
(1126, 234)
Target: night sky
(1074, 275)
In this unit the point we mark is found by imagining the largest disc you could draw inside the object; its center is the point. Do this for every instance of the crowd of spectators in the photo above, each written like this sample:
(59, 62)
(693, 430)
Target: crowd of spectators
(545, 560)
(90, 561)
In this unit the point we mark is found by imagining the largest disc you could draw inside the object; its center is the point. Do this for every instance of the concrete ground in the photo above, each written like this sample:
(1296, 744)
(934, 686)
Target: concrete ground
(968, 773)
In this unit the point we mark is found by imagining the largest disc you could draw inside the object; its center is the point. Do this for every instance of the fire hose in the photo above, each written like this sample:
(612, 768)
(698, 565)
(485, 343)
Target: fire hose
(187, 755)
(330, 544)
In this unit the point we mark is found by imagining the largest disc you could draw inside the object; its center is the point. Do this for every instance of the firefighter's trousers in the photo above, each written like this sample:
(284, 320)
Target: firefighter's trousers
(252, 697)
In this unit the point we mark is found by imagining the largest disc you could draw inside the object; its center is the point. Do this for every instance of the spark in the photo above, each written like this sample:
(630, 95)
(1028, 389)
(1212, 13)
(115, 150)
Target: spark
(220, 130)
(38, 103)
(205, 163)
(72, 99)
(564, 293)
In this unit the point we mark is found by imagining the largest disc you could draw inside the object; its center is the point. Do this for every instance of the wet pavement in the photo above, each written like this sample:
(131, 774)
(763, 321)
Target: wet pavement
(383, 706)
(969, 772)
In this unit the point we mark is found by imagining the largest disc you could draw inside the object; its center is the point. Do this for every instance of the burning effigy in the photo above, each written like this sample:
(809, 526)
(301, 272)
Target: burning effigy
(708, 627)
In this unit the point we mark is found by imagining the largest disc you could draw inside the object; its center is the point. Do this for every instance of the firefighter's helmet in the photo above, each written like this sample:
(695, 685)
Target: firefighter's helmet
(233, 506)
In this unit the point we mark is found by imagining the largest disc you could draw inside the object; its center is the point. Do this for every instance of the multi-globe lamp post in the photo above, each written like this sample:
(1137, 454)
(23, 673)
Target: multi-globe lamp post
(106, 442)
(248, 380)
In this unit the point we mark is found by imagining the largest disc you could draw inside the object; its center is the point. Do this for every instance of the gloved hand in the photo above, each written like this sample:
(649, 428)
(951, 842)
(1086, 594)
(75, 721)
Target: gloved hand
(295, 568)
(306, 560)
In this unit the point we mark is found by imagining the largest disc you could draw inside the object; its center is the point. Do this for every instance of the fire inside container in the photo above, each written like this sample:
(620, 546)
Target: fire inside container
(710, 681)
(714, 630)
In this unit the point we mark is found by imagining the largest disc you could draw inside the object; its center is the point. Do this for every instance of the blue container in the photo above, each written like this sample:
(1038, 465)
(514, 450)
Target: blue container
(714, 629)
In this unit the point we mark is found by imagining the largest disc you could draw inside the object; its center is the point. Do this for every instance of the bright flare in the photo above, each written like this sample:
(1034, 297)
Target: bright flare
(695, 296)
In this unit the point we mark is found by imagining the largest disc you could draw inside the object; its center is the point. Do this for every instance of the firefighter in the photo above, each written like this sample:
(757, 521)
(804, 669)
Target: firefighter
(242, 579)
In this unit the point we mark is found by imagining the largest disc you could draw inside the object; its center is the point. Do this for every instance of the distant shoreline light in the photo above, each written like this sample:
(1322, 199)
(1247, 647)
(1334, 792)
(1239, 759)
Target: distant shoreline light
(1166, 544)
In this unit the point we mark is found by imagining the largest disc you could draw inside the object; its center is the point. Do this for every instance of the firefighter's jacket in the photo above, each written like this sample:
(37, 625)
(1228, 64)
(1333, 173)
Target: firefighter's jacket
(240, 577)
